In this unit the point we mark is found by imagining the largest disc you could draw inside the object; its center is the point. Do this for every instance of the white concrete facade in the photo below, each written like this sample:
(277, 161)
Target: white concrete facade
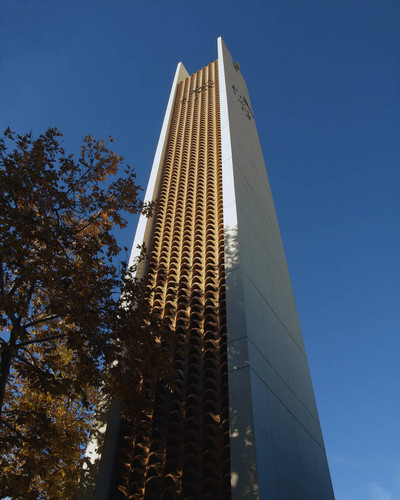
(277, 450)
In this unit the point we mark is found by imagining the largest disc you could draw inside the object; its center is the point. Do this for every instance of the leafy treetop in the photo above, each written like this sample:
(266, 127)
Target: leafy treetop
(61, 321)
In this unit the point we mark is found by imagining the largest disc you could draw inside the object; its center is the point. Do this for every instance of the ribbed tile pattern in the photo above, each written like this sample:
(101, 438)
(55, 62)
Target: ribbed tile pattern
(183, 448)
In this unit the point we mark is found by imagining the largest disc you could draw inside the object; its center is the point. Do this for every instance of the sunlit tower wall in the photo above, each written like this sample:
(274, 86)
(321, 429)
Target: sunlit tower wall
(243, 423)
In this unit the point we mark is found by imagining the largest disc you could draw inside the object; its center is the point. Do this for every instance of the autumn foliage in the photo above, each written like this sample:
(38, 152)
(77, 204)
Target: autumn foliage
(62, 322)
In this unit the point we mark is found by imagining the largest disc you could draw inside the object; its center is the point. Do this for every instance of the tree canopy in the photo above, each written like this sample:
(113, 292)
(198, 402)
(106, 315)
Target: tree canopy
(62, 323)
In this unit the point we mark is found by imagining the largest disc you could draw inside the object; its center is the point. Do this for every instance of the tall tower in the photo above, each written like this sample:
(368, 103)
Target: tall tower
(243, 422)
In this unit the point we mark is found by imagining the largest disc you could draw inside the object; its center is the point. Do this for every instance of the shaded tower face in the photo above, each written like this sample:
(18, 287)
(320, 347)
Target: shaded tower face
(243, 422)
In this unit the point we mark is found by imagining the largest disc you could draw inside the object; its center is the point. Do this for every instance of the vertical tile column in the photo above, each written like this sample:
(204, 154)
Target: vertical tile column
(183, 448)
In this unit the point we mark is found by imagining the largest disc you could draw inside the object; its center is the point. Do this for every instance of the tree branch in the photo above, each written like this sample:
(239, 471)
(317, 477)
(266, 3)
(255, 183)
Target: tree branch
(30, 293)
(19, 279)
(13, 429)
(27, 362)
(34, 361)
(37, 341)
(43, 373)
(41, 320)
(2, 290)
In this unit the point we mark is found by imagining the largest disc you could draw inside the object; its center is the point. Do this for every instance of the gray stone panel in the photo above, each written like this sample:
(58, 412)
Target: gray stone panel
(244, 479)
(266, 353)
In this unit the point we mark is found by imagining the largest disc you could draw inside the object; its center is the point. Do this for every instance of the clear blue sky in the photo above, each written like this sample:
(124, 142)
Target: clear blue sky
(323, 77)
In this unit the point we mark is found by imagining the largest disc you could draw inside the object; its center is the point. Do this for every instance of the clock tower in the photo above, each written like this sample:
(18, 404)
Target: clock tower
(243, 422)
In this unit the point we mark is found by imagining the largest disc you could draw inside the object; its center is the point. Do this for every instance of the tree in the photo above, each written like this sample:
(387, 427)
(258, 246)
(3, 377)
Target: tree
(62, 322)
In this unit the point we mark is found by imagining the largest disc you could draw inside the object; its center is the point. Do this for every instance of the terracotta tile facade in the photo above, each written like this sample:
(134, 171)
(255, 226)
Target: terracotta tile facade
(183, 448)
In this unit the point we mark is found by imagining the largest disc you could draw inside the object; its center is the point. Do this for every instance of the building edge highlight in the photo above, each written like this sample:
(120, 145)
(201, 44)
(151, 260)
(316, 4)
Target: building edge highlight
(276, 444)
(144, 228)
(101, 449)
